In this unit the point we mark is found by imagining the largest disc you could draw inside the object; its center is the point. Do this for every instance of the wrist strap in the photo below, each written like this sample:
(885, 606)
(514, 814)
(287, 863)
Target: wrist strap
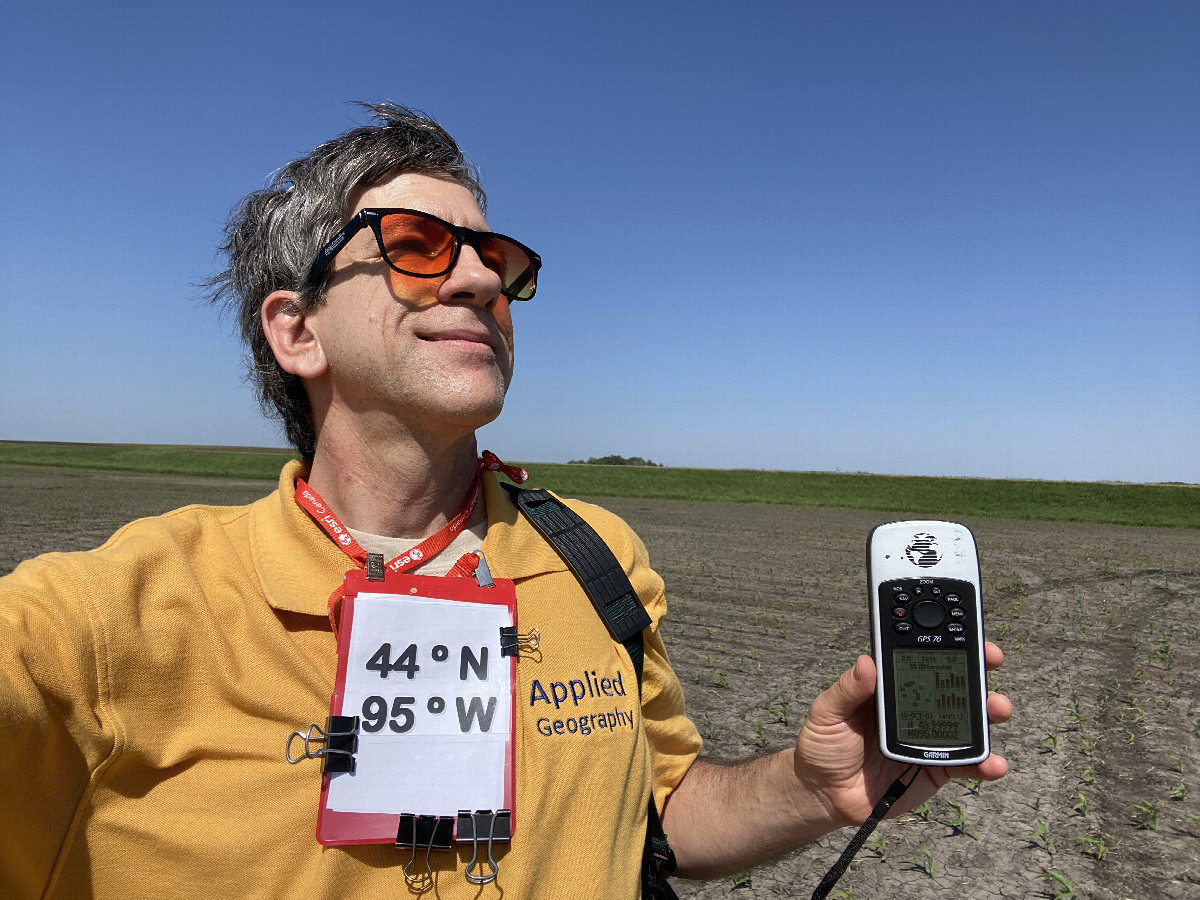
(894, 793)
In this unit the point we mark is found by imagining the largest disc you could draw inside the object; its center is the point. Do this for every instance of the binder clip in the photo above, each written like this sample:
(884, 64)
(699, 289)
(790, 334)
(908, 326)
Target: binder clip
(473, 827)
(430, 832)
(340, 738)
(513, 644)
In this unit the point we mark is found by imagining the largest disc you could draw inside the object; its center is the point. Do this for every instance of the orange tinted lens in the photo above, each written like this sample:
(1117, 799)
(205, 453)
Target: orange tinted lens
(416, 245)
(511, 263)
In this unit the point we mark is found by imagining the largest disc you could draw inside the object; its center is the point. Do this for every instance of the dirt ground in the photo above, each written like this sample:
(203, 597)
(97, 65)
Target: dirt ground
(768, 605)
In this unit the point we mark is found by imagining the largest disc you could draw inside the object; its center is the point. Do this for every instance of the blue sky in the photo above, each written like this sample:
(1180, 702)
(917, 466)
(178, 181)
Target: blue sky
(943, 239)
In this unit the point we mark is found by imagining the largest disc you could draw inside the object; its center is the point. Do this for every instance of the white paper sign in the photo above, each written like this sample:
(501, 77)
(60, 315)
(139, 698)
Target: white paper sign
(434, 700)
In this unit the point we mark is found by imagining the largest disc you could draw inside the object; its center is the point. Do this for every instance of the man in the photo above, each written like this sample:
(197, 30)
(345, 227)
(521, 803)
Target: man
(145, 687)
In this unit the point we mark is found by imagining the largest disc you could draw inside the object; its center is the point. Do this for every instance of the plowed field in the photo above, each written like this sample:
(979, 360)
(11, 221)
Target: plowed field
(1099, 624)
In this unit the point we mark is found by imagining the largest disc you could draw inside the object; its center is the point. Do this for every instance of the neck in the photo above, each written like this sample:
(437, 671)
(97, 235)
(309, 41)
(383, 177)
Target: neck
(407, 488)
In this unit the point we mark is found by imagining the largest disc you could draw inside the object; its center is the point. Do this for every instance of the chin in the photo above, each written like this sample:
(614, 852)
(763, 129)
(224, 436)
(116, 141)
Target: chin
(476, 413)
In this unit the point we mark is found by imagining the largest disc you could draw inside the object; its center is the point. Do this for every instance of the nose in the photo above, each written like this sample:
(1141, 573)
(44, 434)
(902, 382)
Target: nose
(470, 281)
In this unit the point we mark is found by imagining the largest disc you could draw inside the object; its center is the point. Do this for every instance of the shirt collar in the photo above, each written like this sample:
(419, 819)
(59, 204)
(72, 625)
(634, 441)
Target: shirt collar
(298, 566)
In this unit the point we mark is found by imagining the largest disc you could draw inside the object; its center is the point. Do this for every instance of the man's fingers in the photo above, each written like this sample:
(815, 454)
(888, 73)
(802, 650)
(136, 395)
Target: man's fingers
(840, 702)
(999, 707)
(990, 769)
(993, 656)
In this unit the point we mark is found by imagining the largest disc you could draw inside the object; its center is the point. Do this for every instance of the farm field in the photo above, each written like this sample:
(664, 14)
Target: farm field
(767, 607)
(1170, 504)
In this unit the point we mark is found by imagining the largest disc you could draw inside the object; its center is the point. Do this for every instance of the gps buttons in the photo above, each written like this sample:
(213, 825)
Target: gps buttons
(929, 614)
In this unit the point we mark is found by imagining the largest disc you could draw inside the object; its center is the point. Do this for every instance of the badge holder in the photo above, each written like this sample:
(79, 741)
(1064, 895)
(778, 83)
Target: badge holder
(418, 750)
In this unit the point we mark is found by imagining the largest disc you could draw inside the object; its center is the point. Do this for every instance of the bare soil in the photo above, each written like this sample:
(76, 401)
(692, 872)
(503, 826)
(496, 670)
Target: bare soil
(1099, 624)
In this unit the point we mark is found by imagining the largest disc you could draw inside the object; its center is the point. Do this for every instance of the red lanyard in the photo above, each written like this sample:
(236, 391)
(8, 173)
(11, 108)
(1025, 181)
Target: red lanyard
(311, 502)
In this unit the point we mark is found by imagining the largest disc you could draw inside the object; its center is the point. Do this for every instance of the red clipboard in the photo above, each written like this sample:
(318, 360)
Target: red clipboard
(388, 597)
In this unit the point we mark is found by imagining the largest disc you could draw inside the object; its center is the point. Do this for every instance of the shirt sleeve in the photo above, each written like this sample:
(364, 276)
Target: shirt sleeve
(674, 740)
(50, 716)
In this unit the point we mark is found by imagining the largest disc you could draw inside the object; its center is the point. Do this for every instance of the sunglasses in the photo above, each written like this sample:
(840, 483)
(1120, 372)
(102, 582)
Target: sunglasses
(424, 246)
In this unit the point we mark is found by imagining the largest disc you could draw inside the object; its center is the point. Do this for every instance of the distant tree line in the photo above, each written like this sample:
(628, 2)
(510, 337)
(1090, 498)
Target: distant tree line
(614, 461)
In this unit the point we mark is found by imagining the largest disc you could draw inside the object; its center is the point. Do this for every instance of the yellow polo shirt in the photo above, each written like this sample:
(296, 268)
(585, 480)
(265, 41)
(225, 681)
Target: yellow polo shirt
(147, 689)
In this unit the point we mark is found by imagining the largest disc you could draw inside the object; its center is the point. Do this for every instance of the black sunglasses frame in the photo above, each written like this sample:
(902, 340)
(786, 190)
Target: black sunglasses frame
(372, 218)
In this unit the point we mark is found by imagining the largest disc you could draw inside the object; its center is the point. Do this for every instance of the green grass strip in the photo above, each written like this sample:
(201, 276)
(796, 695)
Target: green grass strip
(1166, 505)
(220, 462)
(1064, 501)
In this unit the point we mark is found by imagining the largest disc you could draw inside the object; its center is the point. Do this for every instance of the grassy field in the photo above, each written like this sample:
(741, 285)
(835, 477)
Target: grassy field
(1166, 505)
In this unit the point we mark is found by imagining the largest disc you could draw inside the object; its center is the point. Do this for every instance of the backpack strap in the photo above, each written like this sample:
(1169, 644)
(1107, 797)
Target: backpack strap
(592, 562)
(604, 581)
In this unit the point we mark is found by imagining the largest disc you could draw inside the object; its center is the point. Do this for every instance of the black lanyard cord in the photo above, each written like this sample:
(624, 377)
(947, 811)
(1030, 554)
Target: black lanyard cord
(894, 793)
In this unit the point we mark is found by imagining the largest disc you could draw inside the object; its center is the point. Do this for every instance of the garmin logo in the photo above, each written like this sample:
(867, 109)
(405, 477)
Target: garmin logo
(936, 754)
(922, 551)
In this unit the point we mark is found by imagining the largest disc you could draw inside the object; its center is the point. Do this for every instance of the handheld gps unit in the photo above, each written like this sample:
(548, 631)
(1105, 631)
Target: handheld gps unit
(927, 641)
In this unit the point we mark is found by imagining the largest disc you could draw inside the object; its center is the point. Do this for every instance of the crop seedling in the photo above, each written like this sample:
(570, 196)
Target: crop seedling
(1138, 714)
(1061, 885)
(1193, 872)
(878, 846)
(1180, 792)
(1050, 742)
(924, 859)
(1146, 816)
(958, 820)
(780, 709)
(1081, 805)
(1093, 846)
(1074, 718)
(1041, 837)
(1164, 652)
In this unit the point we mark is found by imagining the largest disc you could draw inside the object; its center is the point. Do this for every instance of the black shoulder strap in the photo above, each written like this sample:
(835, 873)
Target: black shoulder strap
(607, 586)
(593, 563)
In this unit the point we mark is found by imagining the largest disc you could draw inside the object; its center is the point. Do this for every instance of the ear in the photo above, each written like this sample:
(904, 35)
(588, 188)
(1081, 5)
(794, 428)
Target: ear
(295, 343)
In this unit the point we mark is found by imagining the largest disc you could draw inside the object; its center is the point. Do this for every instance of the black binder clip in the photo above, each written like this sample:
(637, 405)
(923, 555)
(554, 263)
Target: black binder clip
(475, 827)
(430, 832)
(340, 737)
(513, 644)
(374, 567)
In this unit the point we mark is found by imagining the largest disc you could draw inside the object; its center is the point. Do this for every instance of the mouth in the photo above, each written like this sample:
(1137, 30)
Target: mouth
(467, 338)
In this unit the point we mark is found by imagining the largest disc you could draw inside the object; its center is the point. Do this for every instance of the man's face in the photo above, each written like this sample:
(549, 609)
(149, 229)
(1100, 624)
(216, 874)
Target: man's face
(436, 354)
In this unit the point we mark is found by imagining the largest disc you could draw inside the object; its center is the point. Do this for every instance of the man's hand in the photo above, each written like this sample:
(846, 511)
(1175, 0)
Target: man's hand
(723, 819)
(837, 754)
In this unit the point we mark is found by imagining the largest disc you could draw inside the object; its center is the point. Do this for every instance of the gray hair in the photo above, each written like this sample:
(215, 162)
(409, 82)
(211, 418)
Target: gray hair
(273, 235)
